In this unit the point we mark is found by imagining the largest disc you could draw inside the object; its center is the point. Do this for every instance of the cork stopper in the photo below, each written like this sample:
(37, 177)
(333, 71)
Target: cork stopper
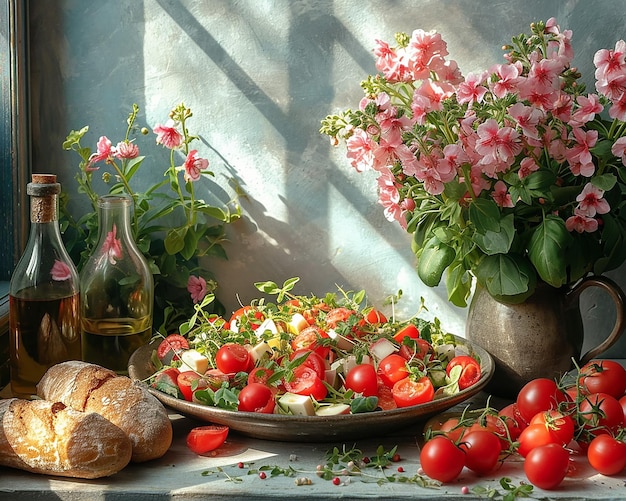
(43, 190)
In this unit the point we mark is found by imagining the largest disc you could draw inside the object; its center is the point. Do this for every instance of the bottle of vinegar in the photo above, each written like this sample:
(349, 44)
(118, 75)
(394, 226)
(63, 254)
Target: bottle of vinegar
(116, 289)
(44, 312)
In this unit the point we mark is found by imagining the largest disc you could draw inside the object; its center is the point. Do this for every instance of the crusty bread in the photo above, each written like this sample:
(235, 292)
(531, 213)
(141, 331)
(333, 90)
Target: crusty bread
(47, 437)
(90, 388)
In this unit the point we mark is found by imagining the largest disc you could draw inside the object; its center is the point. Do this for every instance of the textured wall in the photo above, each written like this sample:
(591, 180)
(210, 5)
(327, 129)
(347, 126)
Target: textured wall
(259, 75)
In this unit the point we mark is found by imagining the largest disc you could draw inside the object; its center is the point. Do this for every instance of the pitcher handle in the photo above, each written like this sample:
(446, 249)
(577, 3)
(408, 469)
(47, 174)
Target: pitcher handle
(619, 299)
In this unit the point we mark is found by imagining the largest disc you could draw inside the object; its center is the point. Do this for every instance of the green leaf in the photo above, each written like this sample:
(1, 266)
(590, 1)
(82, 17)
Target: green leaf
(605, 182)
(497, 241)
(485, 215)
(175, 240)
(547, 250)
(458, 284)
(506, 276)
(434, 259)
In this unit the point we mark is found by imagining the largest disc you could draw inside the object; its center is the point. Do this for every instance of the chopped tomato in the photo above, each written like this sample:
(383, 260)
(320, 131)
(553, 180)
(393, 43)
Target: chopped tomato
(470, 373)
(408, 330)
(392, 369)
(256, 397)
(171, 347)
(204, 439)
(245, 316)
(415, 349)
(306, 382)
(190, 381)
(375, 317)
(260, 375)
(310, 359)
(310, 339)
(407, 392)
(385, 398)
(337, 315)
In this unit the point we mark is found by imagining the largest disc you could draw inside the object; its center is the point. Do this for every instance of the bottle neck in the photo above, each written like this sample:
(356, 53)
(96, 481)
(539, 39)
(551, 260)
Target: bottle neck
(43, 209)
(114, 220)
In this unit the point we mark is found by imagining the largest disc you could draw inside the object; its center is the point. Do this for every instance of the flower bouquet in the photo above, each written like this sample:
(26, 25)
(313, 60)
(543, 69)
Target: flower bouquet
(510, 175)
(171, 225)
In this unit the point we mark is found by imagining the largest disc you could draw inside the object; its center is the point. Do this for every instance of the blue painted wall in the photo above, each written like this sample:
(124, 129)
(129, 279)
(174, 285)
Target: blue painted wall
(259, 76)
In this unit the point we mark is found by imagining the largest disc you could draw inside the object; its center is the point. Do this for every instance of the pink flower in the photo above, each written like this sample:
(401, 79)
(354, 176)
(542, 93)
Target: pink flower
(527, 118)
(508, 77)
(472, 90)
(618, 109)
(197, 288)
(501, 196)
(360, 150)
(619, 149)
(168, 136)
(527, 166)
(104, 151)
(589, 107)
(591, 201)
(580, 222)
(497, 145)
(112, 246)
(60, 271)
(194, 166)
(126, 150)
(579, 156)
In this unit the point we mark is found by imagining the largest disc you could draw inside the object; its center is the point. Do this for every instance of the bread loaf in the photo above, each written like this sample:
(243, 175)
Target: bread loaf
(47, 437)
(90, 388)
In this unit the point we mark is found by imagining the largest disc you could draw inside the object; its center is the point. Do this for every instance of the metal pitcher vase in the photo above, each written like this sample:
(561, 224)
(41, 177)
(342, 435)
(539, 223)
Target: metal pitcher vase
(540, 337)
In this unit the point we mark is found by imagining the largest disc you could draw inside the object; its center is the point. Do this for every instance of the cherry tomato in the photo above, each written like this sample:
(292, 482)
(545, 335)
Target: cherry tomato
(166, 381)
(538, 395)
(622, 401)
(362, 379)
(415, 349)
(374, 317)
(310, 359)
(171, 346)
(190, 381)
(385, 398)
(338, 315)
(603, 376)
(601, 413)
(513, 420)
(407, 392)
(306, 382)
(256, 397)
(260, 375)
(441, 459)
(232, 358)
(204, 439)
(409, 330)
(607, 455)
(546, 466)
(493, 424)
(470, 373)
(482, 450)
(392, 369)
(310, 339)
(536, 435)
(452, 429)
(244, 317)
(562, 425)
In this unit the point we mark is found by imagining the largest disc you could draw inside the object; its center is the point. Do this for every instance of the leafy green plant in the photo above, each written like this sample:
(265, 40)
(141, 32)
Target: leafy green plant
(171, 224)
(509, 176)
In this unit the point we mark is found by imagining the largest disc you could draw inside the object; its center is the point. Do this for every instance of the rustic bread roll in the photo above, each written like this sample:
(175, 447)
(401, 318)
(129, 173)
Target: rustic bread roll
(47, 437)
(90, 388)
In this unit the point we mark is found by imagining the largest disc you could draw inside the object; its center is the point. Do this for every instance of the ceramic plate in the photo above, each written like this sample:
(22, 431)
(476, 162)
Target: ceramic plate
(314, 428)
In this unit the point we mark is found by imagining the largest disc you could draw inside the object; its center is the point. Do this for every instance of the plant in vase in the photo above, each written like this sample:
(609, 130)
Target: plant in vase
(171, 225)
(511, 175)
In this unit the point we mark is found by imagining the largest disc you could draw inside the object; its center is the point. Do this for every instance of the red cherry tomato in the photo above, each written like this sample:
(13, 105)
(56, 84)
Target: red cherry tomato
(171, 346)
(482, 451)
(513, 420)
(338, 315)
(311, 339)
(256, 397)
(562, 425)
(470, 373)
(409, 330)
(622, 401)
(362, 379)
(539, 395)
(385, 398)
(407, 392)
(607, 455)
(452, 429)
(546, 466)
(204, 439)
(603, 376)
(535, 436)
(374, 317)
(441, 459)
(190, 381)
(310, 359)
(260, 375)
(233, 357)
(601, 413)
(392, 369)
(244, 317)
(306, 382)
(415, 349)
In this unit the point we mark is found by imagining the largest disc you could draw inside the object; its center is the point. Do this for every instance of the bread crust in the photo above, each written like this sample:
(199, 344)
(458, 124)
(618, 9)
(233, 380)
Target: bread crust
(49, 438)
(90, 388)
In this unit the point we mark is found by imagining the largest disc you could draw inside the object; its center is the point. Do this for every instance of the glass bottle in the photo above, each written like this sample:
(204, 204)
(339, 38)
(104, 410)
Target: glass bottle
(117, 291)
(44, 310)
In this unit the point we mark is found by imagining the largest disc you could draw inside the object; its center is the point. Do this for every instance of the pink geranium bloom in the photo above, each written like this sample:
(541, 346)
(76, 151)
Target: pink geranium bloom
(618, 109)
(60, 271)
(389, 197)
(196, 286)
(472, 89)
(619, 149)
(501, 195)
(527, 166)
(579, 156)
(436, 92)
(360, 150)
(497, 144)
(104, 151)
(168, 136)
(527, 118)
(126, 150)
(591, 201)
(589, 107)
(612, 87)
(610, 61)
(112, 246)
(581, 223)
(194, 166)
(508, 77)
